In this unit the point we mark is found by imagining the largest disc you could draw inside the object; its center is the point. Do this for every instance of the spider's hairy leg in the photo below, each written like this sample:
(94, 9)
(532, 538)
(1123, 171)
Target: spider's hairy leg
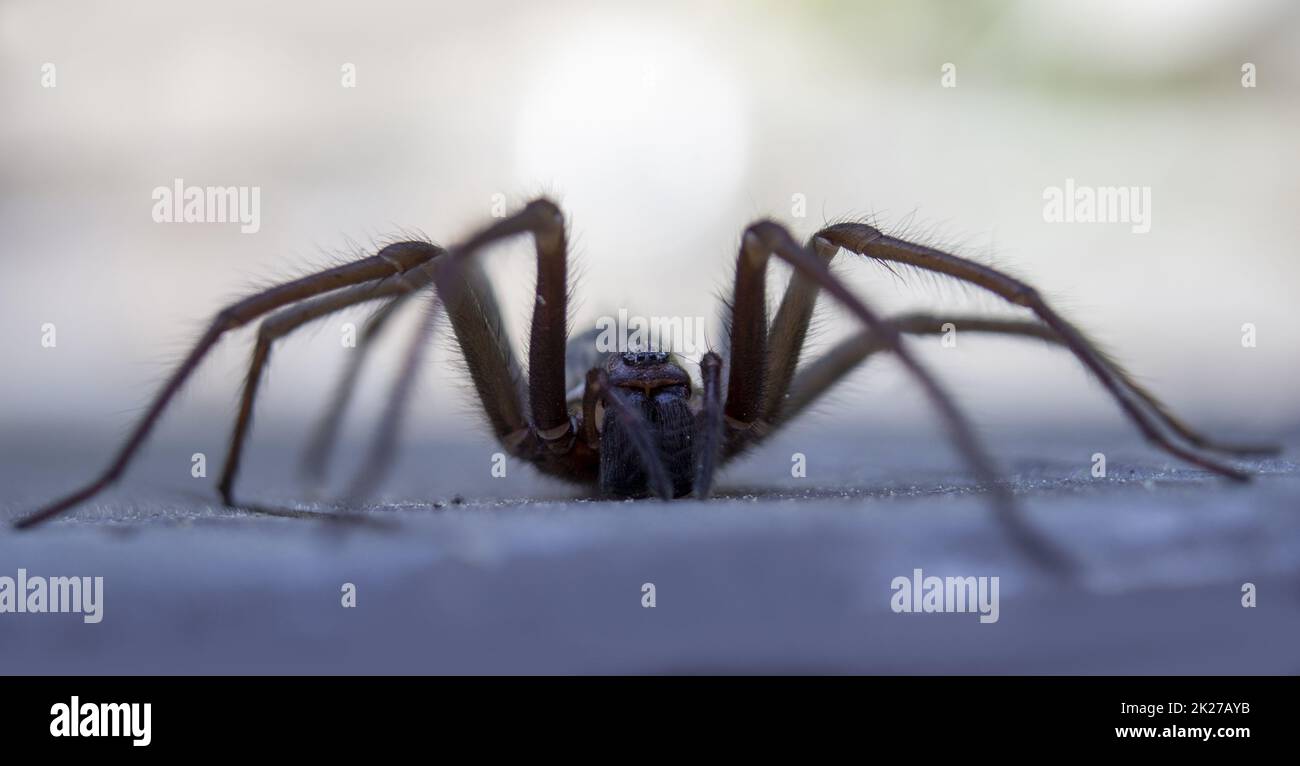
(870, 242)
(767, 353)
(770, 238)
(821, 374)
(477, 326)
(748, 354)
(485, 346)
(788, 333)
(476, 323)
(393, 259)
(817, 377)
(711, 425)
(484, 343)
(279, 325)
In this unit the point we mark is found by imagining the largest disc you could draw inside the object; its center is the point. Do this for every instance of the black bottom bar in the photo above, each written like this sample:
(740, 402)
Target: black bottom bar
(218, 714)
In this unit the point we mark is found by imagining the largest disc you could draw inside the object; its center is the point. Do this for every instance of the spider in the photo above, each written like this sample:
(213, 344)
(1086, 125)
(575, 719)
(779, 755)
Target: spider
(635, 425)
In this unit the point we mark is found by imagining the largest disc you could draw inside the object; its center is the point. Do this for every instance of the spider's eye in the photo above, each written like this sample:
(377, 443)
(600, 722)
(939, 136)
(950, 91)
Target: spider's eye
(642, 358)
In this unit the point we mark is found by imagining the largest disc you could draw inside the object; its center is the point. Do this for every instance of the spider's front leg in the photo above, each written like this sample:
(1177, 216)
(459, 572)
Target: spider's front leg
(546, 436)
(749, 362)
(477, 325)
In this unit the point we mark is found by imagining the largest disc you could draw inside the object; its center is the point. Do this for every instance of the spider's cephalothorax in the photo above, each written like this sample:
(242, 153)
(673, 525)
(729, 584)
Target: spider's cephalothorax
(633, 425)
(660, 391)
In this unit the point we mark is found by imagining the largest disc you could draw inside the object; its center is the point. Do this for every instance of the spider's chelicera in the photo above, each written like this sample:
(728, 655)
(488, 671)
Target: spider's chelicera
(657, 394)
(633, 423)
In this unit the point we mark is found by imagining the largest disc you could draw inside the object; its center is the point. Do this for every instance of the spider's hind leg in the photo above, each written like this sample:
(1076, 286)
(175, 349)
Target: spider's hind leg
(1150, 416)
(394, 259)
(285, 322)
(320, 446)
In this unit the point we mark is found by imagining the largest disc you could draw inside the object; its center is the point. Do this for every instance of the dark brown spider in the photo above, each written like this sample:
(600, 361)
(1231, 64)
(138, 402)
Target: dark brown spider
(638, 426)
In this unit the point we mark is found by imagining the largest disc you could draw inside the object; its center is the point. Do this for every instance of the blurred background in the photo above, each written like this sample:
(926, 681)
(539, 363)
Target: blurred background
(662, 131)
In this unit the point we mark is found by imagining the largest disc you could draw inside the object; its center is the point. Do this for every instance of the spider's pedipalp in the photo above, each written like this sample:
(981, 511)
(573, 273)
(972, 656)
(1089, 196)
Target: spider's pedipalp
(711, 425)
